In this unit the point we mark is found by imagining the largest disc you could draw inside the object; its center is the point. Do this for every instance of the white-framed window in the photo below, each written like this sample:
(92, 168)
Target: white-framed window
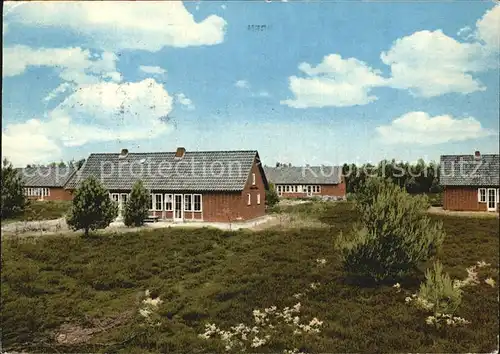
(288, 188)
(318, 189)
(258, 198)
(169, 202)
(296, 188)
(158, 201)
(481, 195)
(253, 179)
(196, 202)
(188, 205)
(249, 199)
(115, 197)
(151, 202)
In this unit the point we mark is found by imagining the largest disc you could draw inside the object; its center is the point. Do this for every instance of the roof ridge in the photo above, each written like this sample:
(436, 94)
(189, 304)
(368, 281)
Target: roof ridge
(170, 152)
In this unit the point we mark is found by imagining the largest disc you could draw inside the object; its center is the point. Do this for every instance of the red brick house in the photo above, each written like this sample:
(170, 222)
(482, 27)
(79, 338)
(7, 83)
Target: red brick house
(471, 182)
(307, 181)
(46, 183)
(217, 186)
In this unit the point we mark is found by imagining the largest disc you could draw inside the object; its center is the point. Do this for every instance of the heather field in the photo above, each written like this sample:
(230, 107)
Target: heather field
(71, 294)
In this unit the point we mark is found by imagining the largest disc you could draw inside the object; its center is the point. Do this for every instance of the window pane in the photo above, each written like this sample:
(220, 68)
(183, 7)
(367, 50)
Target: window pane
(197, 202)
(249, 201)
(168, 202)
(187, 202)
(152, 206)
(159, 201)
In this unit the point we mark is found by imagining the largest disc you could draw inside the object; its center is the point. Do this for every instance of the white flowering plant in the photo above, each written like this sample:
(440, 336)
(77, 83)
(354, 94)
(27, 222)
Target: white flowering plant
(148, 310)
(268, 323)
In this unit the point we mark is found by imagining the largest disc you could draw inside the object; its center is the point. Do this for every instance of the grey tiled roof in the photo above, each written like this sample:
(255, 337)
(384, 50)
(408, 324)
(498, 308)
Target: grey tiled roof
(46, 176)
(465, 170)
(196, 171)
(304, 174)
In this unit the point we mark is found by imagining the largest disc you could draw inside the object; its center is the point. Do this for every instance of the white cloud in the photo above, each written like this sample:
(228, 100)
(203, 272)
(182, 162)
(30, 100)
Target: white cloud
(184, 101)
(426, 63)
(155, 70)
(125, 25)
(263, 94)
(242, 84)
(74, 65)
(432, 64)
(24, 143)
(335, 82)
(488, 29)
(422, 129)
(105, 111)
(223, 7)
(62, 88)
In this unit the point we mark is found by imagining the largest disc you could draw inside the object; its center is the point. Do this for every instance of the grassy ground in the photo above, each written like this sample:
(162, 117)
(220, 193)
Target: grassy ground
(42, 210)
(208, 275)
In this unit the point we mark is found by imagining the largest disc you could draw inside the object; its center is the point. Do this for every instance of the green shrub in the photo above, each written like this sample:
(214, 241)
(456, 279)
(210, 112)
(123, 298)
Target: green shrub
(272, 197)
(394, 236)
(91, 208)
(137, 208)
(13, 200)
(438, 291)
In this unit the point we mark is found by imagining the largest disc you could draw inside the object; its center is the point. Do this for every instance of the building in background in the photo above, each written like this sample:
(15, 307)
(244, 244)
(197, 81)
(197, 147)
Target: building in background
(471, 182)
(307, 181)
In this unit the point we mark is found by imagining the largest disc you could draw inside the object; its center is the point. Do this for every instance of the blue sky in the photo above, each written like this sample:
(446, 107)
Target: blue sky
(322, 83)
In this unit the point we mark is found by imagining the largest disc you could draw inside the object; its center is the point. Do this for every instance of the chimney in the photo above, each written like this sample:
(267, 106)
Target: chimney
(477, 155)
(179, 154)
(123, 153)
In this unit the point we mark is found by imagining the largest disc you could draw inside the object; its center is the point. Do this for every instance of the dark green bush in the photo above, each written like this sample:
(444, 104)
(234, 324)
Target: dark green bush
(137, 207)
(394, 236)
(91, 208)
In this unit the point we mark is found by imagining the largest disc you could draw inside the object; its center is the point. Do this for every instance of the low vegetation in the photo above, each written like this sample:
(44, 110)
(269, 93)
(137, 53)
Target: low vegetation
(202, 290)
(42, 210)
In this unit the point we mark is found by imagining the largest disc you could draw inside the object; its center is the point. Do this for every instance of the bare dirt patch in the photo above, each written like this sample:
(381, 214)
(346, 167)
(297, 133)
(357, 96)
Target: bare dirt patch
(476, 214)
(69, 334)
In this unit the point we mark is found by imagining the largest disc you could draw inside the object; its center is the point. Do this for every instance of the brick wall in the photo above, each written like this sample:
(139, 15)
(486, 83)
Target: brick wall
(463, 199)
(55, 194)
(334, 190)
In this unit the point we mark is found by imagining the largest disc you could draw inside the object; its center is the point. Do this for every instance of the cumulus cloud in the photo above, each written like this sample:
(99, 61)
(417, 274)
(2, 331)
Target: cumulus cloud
(184, 101)
(334, 82)
(75, 64)
(426, 63)
(431, 64)
(242, 84)
(105, 111)
(24, 143)
(154, 70)
(420, 128)
(125, 25)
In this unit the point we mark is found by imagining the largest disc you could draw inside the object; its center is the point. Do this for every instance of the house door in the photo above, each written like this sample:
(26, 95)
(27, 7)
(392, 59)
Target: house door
(492, 199)
(309, 191)
(178, 207)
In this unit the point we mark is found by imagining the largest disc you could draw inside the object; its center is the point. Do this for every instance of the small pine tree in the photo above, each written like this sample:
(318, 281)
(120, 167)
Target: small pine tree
(272, 197)
(92, 208)
(13, 199)
(395, 235)
(439, 292)
(137, 207)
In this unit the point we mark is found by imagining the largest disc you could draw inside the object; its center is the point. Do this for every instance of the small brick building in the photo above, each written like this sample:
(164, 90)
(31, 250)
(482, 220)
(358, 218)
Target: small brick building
(471, 182)
(217, 186)
(46, 183)
(307, 181)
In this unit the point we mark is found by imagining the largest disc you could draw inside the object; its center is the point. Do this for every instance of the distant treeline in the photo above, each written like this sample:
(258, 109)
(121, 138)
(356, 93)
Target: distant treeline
(415, 178)
(72, 163)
